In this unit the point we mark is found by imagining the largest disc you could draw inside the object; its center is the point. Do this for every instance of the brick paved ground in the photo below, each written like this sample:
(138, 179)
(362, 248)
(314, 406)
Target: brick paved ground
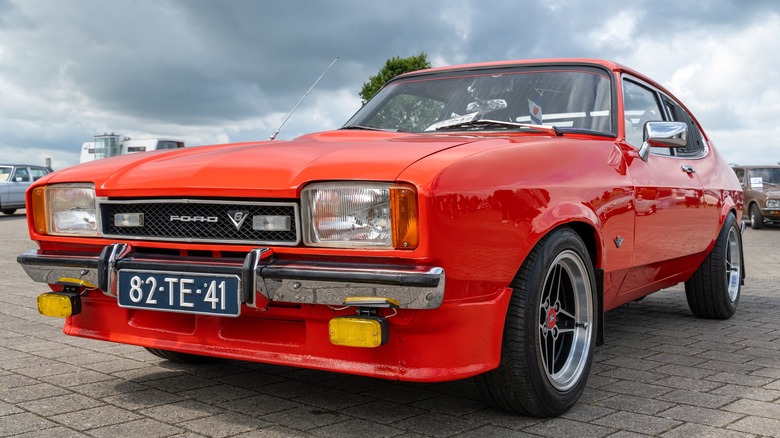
(662, 373)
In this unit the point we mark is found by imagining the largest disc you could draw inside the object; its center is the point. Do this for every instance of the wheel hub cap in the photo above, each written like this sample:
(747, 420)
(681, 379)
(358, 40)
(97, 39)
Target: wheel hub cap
(565, 316)
(552, 318)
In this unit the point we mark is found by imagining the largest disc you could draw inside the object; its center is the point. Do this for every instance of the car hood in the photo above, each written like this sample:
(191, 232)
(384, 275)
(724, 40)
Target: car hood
(773, 194)
(267, 169)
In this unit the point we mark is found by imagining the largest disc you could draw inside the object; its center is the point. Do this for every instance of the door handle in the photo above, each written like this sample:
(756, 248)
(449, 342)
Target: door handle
(688, 169)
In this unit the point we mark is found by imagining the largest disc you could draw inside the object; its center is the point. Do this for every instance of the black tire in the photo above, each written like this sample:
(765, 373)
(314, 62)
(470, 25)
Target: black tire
(713, 290)
(549, 336)
(175, 356)
(8, 211)
(756, 218)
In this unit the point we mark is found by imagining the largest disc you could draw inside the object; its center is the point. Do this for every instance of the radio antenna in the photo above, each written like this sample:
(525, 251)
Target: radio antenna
(273, 136)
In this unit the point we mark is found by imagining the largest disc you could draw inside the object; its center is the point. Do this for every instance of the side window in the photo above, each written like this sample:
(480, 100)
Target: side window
(21, 172)
(754, 179)
(695, 146)
(641, 106)
(37, 173)
(740, 176)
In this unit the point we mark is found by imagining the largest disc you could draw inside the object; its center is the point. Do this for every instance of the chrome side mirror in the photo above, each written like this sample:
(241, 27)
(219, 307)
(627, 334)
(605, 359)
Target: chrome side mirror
(664, 135)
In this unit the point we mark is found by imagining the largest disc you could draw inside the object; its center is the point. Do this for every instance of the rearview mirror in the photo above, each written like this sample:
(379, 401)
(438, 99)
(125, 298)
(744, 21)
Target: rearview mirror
(487, 105)
(664, 135)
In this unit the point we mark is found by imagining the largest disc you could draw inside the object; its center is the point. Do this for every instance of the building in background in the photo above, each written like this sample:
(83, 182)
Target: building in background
(111, 145)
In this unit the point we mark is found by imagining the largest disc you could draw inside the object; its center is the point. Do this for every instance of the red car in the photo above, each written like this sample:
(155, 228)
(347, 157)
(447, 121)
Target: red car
(473, 220)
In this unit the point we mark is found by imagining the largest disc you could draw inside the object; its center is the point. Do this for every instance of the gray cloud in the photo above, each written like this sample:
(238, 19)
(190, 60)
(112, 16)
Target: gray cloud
(227, 71)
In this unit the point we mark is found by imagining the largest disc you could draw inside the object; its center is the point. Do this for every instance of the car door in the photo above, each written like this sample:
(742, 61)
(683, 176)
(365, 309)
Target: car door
(667, 197)
(707, 169)
(20, 180)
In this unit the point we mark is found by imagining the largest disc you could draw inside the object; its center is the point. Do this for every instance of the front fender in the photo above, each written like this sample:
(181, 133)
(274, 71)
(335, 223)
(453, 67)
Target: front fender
(557, 214)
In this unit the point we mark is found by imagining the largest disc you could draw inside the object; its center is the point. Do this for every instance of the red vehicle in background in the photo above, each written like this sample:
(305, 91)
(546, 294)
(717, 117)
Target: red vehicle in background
(473, 220)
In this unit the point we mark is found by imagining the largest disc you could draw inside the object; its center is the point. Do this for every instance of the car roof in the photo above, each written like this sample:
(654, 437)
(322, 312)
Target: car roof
(609, 65)
(24, 165)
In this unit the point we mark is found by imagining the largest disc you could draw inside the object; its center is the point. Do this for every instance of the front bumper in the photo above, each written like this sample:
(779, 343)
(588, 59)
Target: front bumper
(772, 214)
(263, 277)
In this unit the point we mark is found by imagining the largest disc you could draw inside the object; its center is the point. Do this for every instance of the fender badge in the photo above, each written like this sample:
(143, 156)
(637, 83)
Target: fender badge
(618, 241)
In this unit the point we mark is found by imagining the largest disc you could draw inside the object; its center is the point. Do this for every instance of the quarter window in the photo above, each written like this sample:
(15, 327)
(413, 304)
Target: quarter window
(37, 173)
(695, 146)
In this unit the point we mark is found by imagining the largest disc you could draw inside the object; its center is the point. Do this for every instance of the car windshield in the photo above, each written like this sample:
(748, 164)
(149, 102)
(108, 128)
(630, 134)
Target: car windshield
(768, 175)
(569, 99)
(5, 173)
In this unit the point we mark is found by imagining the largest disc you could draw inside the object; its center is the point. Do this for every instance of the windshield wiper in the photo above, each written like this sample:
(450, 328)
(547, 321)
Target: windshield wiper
(585, 131)
(487, 123)
(369, 128)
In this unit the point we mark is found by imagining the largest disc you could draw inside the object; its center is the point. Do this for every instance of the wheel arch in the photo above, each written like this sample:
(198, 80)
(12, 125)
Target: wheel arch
(734, 204)
(741, 224)
(590, 236)
(732, 209)
(499, 386)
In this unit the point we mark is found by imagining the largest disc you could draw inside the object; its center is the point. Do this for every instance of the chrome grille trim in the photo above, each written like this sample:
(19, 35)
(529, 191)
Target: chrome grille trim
(162, 229)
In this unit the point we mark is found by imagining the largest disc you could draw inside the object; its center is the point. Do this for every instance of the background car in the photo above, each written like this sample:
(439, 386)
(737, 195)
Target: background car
(761, 184)
(14, 180)
(473, 220)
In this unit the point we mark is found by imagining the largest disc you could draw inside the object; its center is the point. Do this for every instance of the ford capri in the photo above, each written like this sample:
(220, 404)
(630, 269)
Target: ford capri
(468, 221)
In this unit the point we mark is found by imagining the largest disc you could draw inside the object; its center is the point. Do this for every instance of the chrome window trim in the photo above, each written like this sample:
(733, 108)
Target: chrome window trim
(660, 95)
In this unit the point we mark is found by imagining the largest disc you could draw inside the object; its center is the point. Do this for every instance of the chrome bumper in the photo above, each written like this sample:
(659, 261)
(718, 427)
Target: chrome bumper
(300, 282)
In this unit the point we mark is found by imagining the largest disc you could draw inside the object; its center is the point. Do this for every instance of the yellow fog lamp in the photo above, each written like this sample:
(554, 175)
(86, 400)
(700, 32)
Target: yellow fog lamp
(358, 331)
(66, 303)
(59, 304)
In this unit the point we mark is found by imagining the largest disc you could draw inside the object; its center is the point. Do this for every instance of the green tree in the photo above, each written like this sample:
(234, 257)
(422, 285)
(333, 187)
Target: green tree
(392, 68)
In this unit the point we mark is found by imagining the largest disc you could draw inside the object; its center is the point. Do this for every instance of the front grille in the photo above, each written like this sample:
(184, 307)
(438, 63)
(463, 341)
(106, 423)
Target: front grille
(197, 220)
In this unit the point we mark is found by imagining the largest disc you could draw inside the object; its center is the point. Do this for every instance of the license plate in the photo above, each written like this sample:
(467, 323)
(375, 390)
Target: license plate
(205, 294)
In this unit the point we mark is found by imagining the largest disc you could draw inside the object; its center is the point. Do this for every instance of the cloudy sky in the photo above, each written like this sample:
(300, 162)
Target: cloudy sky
(223, 71)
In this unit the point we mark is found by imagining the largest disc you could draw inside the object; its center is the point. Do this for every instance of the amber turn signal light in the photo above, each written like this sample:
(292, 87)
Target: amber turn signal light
(404, 217)
(38, 201)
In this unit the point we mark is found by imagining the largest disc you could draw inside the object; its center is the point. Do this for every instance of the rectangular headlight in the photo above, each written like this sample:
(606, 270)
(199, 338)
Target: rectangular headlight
(70, 210)
(773, 203)
(360, 215)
